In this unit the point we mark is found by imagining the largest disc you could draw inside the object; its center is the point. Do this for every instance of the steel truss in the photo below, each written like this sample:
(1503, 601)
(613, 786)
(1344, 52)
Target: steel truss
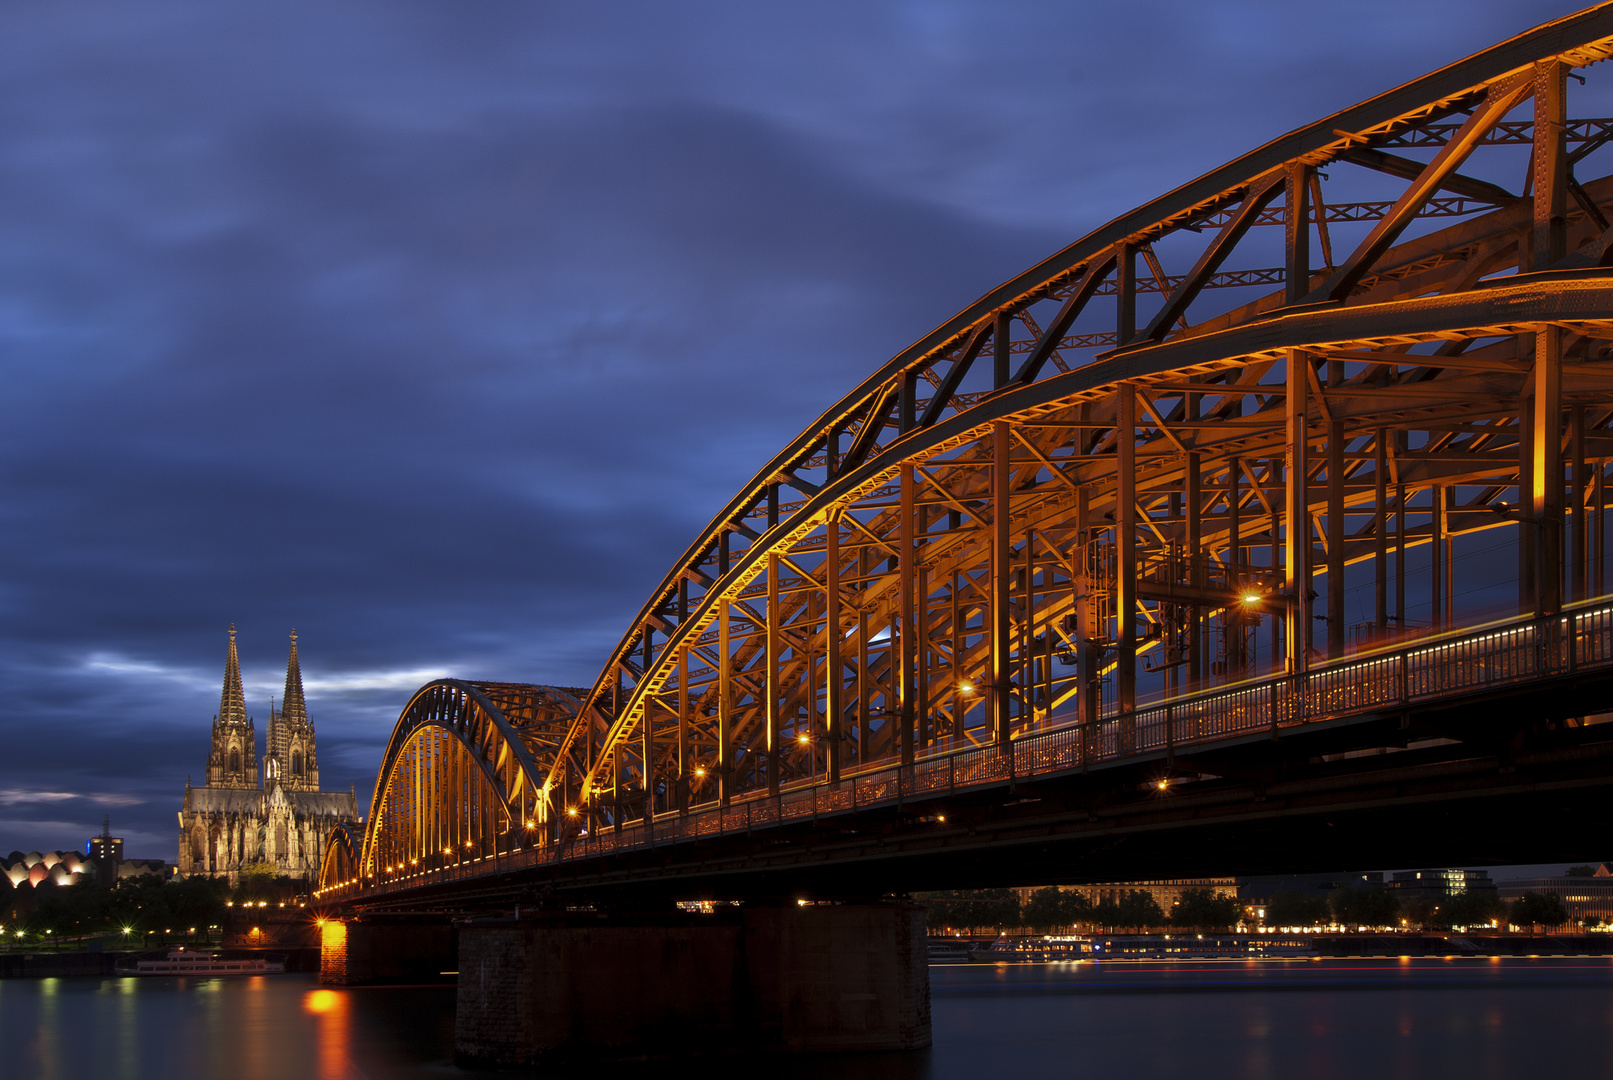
(1094, 493)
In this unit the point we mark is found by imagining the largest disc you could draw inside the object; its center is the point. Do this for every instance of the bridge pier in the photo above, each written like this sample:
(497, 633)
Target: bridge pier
(841, 977)
(373, 949)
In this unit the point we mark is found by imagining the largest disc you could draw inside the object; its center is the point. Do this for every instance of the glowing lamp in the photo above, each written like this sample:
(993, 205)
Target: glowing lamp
(1251, 599)
(1162, 783)
(966, 687)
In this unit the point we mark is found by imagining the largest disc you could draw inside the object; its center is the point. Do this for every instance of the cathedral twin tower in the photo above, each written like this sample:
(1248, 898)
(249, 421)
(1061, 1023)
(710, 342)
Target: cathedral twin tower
(288, 756)
(278, 821)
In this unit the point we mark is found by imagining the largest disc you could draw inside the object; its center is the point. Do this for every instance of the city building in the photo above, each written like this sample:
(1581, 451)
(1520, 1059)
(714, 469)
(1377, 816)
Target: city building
(1588, 898)
(1165, 892)
(248, 814)
(1410, 886)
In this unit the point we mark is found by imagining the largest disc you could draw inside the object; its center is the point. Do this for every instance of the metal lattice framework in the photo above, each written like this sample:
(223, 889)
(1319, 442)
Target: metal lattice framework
(1097, 491)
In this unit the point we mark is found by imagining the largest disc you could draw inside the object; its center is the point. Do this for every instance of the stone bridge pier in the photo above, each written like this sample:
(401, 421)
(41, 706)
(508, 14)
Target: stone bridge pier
(381, 949)
(820, 977)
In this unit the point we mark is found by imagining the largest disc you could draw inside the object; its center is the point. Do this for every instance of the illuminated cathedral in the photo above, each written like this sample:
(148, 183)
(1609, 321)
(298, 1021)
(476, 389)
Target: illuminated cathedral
(247, 814)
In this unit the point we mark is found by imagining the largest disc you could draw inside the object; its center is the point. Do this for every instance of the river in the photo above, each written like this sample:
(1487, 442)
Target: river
(1389, 1019)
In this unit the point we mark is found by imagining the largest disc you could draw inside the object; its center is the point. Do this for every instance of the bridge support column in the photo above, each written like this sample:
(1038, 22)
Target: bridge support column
(802, 979)
(378, 949)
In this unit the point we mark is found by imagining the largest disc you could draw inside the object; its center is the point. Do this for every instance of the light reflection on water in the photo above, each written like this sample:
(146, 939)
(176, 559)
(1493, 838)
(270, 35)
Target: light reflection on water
(1420, 1018)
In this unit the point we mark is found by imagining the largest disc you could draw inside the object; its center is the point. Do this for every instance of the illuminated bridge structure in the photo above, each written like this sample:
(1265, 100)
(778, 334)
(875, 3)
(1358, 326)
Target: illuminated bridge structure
(1263, 526)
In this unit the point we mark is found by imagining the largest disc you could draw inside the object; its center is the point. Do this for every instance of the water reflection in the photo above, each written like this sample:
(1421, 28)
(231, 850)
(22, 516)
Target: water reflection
(1476, 1018)
(331, 1009)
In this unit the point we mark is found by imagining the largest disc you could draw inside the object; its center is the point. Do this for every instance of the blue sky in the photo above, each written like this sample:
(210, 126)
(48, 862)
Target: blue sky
(437, 330)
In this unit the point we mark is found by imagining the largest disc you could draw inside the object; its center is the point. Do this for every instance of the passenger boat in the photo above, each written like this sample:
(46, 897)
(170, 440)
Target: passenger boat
(185, 962)
(1039, 950)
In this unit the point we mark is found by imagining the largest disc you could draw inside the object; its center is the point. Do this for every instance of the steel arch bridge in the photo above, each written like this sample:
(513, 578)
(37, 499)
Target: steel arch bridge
(1262, 452)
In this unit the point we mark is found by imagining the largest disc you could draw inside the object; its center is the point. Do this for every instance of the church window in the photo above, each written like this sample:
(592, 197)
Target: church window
(235, 761)
(281, 843)
(296, 763)
(198, 847)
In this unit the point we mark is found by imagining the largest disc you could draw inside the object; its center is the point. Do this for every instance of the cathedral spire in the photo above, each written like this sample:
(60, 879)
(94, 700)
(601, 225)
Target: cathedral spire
(232, 703)
(292, 706)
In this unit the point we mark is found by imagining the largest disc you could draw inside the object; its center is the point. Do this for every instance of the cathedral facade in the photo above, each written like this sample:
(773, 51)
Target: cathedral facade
(256, 810)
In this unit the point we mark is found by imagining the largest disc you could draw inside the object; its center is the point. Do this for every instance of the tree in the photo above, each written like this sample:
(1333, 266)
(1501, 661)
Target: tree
(972, 909)
(1289, 907)
(1053, 907)
(1135, 910)
(1580, 871)
(1203, 909)
(1364, 905)
(1538, 909)
(1472, 908)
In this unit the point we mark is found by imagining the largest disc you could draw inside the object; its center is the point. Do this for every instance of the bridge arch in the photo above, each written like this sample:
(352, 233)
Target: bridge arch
(1097, 487)
(461, 780)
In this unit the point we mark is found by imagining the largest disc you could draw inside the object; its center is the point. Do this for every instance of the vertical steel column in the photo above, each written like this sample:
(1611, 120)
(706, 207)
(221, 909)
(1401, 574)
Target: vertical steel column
(1001, 569)
(1284, 615)
(1528, 532)
(907, 633)
(1449, 504)
(1598, 582)
(1125, 588)
(924, 729)
(1001, 341)
(683, 729)
(1335, 525)
(958, 648)
(1548, 470)
(1125, 292)
(725, 704)
(831, 648)
(1027, 640)
(1380, 526)
(1195, 555)
(866, 683)
(771, 676)
(1400, 557)
(1550, 244)
(1578, 535)
(1088, 659)
(1436, 556)
(1297, 232)
(1297, 549)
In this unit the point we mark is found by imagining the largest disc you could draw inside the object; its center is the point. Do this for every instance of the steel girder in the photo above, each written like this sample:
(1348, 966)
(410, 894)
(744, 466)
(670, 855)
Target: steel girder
(1055, 508)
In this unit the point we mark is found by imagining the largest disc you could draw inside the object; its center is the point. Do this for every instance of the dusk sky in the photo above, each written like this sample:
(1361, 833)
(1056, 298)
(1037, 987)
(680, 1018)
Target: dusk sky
(438, 330)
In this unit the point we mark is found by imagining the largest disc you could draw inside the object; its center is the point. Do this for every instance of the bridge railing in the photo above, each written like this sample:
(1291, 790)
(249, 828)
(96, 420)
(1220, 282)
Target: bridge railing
(1459, 663)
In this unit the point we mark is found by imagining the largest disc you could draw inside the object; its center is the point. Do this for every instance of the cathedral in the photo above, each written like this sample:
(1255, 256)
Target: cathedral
(247, 814)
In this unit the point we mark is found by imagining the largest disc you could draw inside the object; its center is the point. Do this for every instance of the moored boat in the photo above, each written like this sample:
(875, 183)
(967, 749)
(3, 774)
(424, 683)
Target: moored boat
(185, 962)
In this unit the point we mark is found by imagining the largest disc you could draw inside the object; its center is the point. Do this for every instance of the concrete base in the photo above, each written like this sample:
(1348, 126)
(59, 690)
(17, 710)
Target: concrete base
(371, 950)
(802, 979)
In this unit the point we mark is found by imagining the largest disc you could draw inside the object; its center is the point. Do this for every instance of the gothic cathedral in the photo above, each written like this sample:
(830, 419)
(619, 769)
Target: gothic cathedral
(275, 814)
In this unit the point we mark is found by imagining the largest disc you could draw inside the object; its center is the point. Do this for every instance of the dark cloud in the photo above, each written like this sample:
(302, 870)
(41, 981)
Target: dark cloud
(437, 330)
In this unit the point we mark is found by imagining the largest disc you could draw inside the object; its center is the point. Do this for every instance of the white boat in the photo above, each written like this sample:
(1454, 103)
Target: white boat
(184, 962)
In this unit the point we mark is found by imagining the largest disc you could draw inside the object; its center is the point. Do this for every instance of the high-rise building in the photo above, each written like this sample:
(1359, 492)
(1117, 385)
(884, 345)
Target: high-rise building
(281, 817)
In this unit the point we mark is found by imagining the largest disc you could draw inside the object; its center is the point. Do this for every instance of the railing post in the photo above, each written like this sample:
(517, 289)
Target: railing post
(952, 774)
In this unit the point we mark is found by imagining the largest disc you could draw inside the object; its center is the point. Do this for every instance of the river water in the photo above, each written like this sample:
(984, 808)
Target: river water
(1411, 1018)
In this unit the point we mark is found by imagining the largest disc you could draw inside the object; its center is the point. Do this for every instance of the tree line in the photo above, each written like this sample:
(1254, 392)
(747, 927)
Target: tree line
(135, 907)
